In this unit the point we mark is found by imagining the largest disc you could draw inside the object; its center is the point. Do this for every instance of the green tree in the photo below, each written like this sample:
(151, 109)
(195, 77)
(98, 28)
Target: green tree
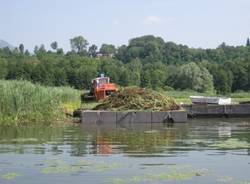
(124, 78)
(135, 67)
(21, 48)
(222, 79)
(3, 68)
(60, 51)
(93, 51)
(27, 53)
(248, 42)
(148, 48)
(107, 49)
(60, 77)
(146, 79)
(239, 73)
(79, 44)
(36, 49)
(191, 76)
(54, 45)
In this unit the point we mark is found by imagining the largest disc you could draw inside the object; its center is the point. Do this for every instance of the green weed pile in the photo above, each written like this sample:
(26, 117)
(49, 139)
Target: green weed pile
(134, 98)
(22, 101)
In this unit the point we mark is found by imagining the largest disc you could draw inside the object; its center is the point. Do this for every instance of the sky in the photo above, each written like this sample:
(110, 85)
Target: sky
(196, 23)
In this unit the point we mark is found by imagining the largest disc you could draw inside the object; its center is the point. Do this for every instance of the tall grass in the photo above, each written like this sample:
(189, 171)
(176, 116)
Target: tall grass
(22, 101)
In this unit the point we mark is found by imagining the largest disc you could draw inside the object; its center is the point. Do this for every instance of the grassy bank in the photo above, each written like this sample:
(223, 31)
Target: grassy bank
(22, 101)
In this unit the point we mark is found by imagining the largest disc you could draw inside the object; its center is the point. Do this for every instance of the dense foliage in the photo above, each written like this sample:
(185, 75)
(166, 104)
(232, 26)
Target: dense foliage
(146, 61)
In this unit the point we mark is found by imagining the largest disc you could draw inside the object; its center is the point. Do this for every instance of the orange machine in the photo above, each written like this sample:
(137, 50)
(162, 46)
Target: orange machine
(100, 89)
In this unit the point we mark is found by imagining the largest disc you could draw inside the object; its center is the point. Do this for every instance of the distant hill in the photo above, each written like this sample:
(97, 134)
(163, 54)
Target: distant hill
(5, 44)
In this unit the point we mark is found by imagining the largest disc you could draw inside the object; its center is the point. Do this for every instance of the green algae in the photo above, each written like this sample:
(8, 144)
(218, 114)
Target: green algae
(231, 180)
(102, 167)
(10, 176)
(151, 131)
(202, 142)
(225, 179)
(171, 176)
(118, 181)
(20, 140)
(244, 182)
(60, 169)
(136, 179)
(231, 144)
(60, 166)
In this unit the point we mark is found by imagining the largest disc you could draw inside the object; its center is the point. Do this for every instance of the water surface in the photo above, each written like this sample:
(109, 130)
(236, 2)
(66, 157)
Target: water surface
(200, 151)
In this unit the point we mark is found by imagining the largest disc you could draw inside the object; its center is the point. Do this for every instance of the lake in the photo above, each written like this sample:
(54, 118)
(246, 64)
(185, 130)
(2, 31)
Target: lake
(199, 151)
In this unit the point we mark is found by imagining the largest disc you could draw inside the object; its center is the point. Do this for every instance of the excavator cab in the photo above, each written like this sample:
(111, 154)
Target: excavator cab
(100, 89)
(103, 88)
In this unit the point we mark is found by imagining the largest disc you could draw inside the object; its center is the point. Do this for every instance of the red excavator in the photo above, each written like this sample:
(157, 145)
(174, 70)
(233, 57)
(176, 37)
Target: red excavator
(100, 89)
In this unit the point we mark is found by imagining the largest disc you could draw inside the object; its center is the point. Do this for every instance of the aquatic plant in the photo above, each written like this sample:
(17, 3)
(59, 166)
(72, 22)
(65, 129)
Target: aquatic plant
(22, 101)
(118, 181)
(178, 174)
(60, 166)
(225, 179)
(244, 182)
(231, 144)
(10, 176)
(19, 140)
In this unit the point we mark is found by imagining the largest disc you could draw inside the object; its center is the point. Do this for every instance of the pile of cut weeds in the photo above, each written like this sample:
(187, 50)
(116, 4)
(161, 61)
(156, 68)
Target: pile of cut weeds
(135, 98)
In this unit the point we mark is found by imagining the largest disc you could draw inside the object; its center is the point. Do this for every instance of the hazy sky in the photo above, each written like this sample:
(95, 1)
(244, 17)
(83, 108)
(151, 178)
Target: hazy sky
(196, 23)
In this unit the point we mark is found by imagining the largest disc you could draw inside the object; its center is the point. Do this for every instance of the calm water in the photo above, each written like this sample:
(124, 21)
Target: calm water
(200, 151)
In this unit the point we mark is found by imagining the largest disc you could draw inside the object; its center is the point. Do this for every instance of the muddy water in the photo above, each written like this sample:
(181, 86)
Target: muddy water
(200, 151)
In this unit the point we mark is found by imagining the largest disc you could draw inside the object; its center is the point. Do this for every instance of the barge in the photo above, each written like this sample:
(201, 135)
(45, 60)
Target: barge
(210, 100)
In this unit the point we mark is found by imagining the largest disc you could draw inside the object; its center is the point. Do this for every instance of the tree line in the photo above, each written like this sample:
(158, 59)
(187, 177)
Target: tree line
(146, 61)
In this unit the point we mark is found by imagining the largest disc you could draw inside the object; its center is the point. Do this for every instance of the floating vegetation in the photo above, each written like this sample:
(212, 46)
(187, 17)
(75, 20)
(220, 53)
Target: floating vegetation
(244, 182)
(225, 179)
(60, 166)
(134, 98)
(118, 181)
(10, 176)
(20, 140)
(61, 169)
(102, 167)
(229, 179)
(172, 175)
(231, 144)
(151, 131)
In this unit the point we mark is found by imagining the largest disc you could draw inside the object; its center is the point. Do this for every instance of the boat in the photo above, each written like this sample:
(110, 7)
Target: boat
(210, 100)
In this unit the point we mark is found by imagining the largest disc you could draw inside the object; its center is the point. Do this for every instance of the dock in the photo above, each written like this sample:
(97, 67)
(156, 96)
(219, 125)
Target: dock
(124, 117)
(151, 117)
(215, 111)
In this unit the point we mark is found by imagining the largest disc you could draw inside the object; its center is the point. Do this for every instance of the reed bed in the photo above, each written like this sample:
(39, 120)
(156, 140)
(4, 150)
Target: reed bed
(22, 101)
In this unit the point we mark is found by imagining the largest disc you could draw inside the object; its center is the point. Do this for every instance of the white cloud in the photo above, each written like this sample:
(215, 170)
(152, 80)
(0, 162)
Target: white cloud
(116, 22)
(152, 20)
(156, 20)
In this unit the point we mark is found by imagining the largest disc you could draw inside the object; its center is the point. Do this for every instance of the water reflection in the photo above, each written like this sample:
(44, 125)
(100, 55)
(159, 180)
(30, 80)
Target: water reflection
(224, 131)
(200, 151)
(130, 139)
